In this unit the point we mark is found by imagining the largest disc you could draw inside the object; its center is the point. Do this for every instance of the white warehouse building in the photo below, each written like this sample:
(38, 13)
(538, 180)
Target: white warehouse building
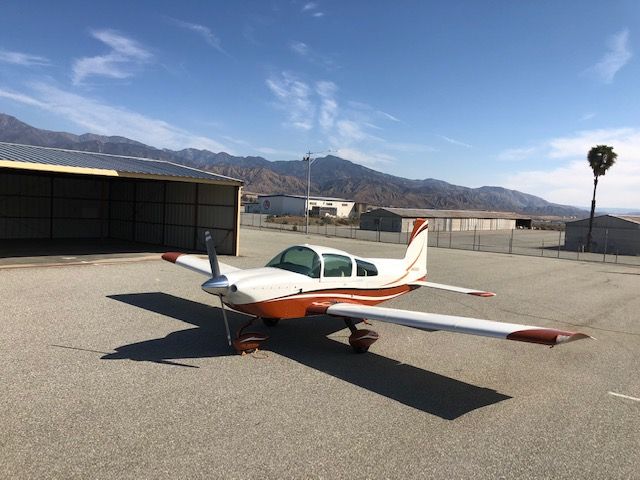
(297, 204)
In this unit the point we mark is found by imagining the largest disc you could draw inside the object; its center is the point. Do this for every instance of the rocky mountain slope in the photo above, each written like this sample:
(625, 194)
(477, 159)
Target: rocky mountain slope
(332, 176)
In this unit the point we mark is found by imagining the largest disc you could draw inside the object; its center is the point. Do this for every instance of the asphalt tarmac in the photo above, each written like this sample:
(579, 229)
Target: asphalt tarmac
(121, 370)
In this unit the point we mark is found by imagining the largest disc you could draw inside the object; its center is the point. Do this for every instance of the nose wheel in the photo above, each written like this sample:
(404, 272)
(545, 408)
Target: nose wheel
(360, 339)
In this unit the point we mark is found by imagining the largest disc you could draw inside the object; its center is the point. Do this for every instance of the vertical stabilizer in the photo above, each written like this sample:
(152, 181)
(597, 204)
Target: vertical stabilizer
(416, 257)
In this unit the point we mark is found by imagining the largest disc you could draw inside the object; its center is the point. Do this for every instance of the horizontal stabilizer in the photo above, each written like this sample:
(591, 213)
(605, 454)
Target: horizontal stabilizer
(195, 263)
(471, 326)
(451, 288)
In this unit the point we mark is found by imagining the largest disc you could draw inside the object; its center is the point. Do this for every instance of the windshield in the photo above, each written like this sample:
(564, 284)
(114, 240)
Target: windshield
(301, 260)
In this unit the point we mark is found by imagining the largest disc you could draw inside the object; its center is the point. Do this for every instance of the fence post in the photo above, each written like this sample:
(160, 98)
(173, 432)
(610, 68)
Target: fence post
(511, 242)
(479, 242)
(559, 240)
(542, 249)
(438, 238)
(450, 233)
(616, 255)
(606, 239)
(474, 238)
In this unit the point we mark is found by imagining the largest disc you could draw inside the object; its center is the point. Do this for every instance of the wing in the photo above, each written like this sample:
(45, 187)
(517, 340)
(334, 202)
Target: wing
(451, 288)
(195, 263)
(472, 326)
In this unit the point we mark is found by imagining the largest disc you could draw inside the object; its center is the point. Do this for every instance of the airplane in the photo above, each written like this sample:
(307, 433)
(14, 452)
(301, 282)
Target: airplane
(309, 280)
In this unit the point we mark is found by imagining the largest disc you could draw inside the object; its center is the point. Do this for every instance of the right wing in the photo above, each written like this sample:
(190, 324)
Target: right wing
(195, 263)
(472, 326)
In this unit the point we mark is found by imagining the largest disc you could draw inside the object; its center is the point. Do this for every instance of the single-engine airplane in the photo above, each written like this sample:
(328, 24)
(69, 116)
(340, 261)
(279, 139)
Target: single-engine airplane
(306, 280)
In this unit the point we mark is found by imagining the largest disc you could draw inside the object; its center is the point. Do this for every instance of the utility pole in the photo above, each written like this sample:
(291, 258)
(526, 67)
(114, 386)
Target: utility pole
(307, 159)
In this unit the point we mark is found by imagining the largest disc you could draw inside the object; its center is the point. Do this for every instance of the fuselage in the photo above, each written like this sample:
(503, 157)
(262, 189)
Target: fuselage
(304, 277)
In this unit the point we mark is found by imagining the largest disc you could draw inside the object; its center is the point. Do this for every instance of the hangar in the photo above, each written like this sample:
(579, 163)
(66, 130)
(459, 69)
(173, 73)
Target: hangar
(615, 234)
(49, 193)
(282, 204)
(401, 220)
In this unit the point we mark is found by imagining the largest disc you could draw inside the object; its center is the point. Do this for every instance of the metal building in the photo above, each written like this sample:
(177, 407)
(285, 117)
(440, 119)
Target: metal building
(615, 234)
(49, 193)
(401, 220)
(282, 204)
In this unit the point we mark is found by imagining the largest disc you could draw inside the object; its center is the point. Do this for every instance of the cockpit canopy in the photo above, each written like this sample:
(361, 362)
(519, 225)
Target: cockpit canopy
(306, 261)
(298, 259)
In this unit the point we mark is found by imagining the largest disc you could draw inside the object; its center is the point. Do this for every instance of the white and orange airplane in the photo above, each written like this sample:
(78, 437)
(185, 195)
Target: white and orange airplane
(306, 280)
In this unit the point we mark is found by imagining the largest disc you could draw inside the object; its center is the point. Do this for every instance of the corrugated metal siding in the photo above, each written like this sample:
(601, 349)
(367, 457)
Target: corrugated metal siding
(623, 241)
(126, 209)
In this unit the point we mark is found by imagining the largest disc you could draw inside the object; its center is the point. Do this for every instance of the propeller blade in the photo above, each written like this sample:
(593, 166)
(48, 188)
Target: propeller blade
(213, 257)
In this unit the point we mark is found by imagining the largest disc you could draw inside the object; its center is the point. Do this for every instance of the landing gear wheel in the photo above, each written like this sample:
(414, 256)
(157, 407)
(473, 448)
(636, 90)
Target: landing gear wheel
(270, 322)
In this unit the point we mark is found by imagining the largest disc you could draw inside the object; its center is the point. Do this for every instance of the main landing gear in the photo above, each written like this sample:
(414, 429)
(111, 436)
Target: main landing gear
(360, 340)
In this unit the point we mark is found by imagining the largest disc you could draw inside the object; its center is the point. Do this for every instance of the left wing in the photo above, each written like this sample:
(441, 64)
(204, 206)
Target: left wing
(472, 326)
(195, 263)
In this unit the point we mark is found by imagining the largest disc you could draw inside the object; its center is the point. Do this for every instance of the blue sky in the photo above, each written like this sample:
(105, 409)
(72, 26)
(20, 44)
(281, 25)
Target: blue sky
(474, 93)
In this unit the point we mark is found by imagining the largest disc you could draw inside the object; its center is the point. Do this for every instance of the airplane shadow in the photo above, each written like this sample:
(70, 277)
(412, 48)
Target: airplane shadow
(305, 341)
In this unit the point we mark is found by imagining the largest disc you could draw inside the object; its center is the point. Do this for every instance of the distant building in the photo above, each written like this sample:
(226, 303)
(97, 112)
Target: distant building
(296, 205)
(401, 220)
(617, 233)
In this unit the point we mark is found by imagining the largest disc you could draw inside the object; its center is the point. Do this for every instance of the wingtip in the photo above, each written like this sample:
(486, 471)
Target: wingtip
(546, 336)
(171, 256)
(483, 294)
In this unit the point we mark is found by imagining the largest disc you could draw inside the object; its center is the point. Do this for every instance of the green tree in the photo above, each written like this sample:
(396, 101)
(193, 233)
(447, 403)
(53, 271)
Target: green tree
(601, 158)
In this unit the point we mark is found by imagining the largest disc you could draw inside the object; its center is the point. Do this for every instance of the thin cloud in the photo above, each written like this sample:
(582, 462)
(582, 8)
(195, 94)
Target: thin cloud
(570, 180)
(366, 158)
(516, 154)
(328, 104)
(316, 109)
(453, 141)
(101, 118)
(122, 61)
(307, 53)
(293, 96)
(23, 59)
(587, 116)
(300, 48)
(311, 8)
(204, 32)
(615, 58)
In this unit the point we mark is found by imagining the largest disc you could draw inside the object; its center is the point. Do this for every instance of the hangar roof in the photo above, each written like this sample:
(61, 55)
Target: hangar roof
(29, 157)
(627, 218)
(303, 197)
(430, 213)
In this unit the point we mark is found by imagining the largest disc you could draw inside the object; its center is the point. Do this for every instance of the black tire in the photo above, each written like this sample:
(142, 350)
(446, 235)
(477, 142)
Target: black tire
(360, 349)
(270, 322)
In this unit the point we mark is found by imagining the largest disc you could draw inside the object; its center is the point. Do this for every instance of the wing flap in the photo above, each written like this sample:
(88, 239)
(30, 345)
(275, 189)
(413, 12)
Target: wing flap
(471, 326)
(451, 288)
(195, 263)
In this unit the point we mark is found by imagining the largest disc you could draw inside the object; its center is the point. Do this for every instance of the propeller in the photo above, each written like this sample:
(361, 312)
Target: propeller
(218, 284)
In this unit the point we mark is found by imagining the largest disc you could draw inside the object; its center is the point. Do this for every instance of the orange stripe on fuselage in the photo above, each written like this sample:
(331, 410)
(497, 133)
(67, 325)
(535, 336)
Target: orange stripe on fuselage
(299, 305)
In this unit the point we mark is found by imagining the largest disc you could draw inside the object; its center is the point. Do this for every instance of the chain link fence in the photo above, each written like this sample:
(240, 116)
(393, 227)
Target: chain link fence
(540, 243)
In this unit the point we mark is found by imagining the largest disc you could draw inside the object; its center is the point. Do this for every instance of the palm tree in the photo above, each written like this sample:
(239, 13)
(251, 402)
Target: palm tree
(601, 158)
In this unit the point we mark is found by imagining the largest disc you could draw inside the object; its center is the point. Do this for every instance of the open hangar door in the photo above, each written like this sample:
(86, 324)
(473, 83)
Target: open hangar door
(38, 205)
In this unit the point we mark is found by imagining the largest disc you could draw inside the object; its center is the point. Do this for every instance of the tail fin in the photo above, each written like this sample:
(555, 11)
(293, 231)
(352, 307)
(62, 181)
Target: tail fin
(416, 256)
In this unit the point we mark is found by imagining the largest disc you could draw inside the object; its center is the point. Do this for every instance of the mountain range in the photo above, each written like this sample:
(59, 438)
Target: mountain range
(331, 176)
